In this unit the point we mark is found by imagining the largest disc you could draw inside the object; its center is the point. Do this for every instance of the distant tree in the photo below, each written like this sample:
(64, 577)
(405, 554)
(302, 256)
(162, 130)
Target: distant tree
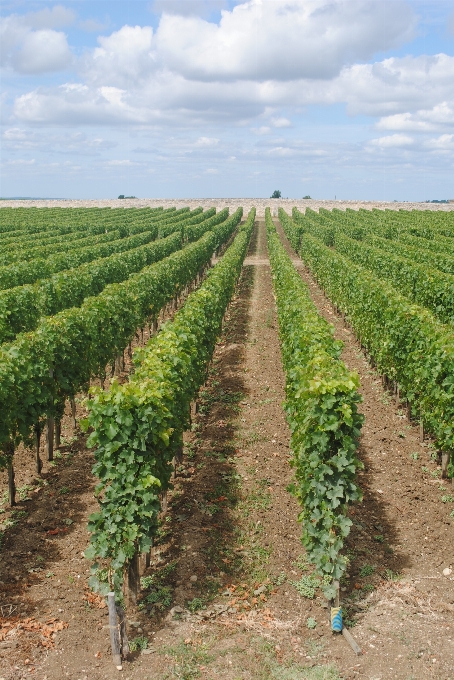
(121, 196)
(306, 197)
(276, 194)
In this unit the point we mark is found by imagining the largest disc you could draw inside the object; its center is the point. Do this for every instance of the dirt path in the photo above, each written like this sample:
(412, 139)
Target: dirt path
(219, 599)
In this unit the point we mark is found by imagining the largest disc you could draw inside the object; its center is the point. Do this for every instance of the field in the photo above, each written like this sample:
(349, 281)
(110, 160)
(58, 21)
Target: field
(193, 327)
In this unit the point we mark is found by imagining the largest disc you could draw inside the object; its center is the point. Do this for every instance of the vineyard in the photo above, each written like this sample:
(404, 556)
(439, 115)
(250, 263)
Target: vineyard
(222, 433)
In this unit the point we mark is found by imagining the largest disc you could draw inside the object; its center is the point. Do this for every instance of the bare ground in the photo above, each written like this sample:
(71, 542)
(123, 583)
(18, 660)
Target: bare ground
(229, 551)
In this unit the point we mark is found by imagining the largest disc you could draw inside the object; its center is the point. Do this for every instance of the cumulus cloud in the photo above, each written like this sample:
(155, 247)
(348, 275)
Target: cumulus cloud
(261, 59)
(320, 37)
(392, 141)
(29, 44)
(423, 120)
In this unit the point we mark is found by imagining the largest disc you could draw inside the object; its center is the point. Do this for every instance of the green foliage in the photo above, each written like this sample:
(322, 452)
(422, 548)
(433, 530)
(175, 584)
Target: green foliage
(40, 369)
(137, 644)
(311, 623)
(366, 570)
(307, 585)
(195, 604)
(138, 426)
(321, 406)
(406, 342)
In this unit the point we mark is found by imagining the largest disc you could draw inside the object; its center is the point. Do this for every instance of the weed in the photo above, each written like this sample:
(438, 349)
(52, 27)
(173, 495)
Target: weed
(447, 499)
(424, 469)
(301, 563)
(187, 660)
(64, 490)
(195, 604)
(366, 570)
(260, 499)
(138, 643)
(414, 455)
(311, 623)
(50, 574)
(368, 587)
(23, 492)
(279, 580)
(436, 473)
(379, 538)
(306, 586)
(451, 514)
(392, 575)
(161, 596)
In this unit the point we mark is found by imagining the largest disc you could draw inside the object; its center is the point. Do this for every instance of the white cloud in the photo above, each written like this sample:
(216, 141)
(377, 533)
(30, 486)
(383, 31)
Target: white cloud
(204, 142)
(319, 38)
(263, 58)
(125, 162)
(30, 51)
(281, 122)
(397, 140)
(444, 143)
(211, 171)
(425, 120)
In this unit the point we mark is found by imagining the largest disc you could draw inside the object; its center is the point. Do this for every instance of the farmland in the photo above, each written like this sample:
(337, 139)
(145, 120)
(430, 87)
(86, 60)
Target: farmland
(347, 315)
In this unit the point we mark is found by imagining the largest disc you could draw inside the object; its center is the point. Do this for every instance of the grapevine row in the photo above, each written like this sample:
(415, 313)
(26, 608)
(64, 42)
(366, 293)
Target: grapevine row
(43, 368)
(138, 426)
(21, 307)
(406, 343)
(321, 406)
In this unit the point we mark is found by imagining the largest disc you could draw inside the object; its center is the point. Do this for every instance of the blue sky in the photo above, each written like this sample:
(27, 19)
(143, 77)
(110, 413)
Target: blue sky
(214, 98)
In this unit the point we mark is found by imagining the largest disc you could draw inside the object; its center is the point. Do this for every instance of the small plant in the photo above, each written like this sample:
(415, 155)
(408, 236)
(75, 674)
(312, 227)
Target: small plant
(424, 468)
(392, 575)
(64, 490)
(379, 538)
(306, 586)
(451, 514)
(50, 574)
(436, 473)
(414, 455)
(311, 623)
(279, 580)
(447, 498)
(301, 563)
(195, 604)
(366, 570)
(367, 587)
(138, 644)
(23, 492)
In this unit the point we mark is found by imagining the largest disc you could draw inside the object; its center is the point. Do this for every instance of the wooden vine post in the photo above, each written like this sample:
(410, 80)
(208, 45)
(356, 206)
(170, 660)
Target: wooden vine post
(57, 434)
(50, 431)
(72, 401)
(444, 464)
(114, 631)
(133, 580)
(50, 439)
(9, 449)
(39, 463)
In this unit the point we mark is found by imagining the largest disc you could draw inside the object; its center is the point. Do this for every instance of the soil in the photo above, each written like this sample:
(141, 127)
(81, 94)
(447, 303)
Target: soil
(220, 599)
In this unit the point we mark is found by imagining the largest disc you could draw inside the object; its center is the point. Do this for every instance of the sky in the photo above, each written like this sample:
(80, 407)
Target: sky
(346, 99)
